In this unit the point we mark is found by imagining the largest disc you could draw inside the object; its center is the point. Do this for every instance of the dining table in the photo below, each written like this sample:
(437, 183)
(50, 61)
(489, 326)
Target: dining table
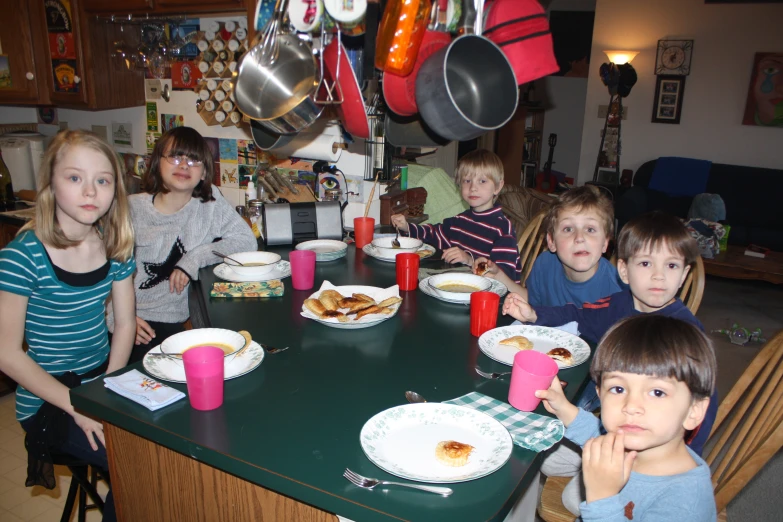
(278, 446)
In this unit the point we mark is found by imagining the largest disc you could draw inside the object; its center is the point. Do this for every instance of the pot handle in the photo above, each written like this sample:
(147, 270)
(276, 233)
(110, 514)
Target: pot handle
(479, 17)
(334, 93)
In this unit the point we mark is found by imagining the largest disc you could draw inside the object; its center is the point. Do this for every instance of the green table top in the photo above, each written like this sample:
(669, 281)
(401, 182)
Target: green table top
(293, 424)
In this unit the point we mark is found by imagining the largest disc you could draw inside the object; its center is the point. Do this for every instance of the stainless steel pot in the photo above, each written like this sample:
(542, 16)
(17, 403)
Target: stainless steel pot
(466, 89)
(279, 93)
(265, 139)
(410, 132)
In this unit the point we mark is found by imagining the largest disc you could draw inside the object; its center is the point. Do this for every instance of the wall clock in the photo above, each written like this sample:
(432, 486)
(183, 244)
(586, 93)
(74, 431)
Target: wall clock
(674, 57)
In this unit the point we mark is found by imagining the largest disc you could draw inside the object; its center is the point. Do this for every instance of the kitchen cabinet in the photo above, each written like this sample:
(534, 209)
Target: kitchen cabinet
(118, 7)
(79, 54)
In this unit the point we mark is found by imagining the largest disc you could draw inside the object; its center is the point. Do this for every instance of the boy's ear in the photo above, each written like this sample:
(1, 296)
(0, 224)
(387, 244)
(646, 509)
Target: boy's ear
(550, 243)
(684, 275)
(606, 245)
(499, 187)
(622, 269)
(696, 413)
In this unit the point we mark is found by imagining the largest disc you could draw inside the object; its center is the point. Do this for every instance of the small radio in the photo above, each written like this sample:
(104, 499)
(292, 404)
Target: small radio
(292, 223)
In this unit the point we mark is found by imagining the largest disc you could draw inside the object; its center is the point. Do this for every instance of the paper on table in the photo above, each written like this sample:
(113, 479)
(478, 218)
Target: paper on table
(139, 388)
(379, 295)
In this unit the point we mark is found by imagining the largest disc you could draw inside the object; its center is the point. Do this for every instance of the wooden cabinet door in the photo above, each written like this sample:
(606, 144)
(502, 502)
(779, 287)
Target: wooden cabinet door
(19, 82)
(117, 6)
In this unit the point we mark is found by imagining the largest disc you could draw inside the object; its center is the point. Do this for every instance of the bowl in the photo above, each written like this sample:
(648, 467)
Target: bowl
(268, 258)
(229, 340)
(407, 245)
(470, 283)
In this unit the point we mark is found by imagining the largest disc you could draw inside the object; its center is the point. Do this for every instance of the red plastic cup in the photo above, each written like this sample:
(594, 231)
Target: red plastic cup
(302, 269)
(407, 271)
(363, 229)
(483, 312)
(204, 376)
(532, 371)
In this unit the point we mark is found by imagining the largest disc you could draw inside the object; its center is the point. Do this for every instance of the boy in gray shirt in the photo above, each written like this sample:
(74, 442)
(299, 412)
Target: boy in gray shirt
(654, 376)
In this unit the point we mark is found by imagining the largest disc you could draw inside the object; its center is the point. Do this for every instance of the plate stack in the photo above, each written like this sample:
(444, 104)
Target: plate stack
(325, 249)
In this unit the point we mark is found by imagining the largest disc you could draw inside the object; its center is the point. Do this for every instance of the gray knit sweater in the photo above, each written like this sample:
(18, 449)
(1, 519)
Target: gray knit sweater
(182, 240)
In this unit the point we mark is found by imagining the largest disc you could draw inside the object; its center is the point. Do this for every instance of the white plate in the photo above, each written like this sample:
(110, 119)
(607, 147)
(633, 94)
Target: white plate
(497, 288)
(402, 441)
(379, 294)
(377, 254)
(174, 371)
(325, 249)
(543, 338)
(281, 271)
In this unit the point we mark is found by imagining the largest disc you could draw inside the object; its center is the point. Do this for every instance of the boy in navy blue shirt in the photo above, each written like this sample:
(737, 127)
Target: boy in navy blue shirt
(482, 231)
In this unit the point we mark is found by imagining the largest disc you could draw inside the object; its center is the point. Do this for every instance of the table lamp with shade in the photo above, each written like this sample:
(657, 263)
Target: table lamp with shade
(619, 77)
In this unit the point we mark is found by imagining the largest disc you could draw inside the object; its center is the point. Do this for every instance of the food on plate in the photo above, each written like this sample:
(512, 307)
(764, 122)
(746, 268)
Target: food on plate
(246, 335)
(335, 314)
(315, 306)
(330, 299)
(423, 253)
(372, 309)
(561, 354)
(458, 288)
(354, 305)
(364, 297)
(519, 342)
(482, 268)
(453, 453)
(390, 301)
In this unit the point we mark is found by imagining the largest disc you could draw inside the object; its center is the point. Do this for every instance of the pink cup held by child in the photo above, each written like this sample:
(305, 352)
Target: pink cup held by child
(204, 373)
(532, 371)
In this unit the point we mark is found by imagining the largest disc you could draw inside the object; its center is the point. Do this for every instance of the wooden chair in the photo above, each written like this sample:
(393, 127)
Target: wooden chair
(747, 433)
(532, 243)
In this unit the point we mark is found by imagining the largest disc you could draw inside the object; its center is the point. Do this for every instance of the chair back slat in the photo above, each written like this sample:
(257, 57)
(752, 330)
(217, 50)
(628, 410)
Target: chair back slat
(531, 243)
(692, 289)
(748, 424)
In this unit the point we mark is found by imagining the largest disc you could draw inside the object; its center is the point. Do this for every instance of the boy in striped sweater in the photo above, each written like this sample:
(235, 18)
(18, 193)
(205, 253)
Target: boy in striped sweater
(482, 231)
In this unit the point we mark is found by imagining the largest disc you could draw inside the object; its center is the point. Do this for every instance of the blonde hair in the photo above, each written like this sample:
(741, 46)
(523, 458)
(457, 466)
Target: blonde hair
(581, 199)
(477, 162)
(114, 227)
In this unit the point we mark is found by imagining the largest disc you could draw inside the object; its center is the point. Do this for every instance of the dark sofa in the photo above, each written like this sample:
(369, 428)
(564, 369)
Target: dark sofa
(753, 198)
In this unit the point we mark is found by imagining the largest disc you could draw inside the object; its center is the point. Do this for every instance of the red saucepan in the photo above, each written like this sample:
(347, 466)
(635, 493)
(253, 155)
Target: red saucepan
(399, 92)
(351, 111)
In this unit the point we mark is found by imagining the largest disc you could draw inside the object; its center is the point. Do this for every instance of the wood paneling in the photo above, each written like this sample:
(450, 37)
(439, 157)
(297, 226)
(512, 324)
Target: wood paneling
(151, 482)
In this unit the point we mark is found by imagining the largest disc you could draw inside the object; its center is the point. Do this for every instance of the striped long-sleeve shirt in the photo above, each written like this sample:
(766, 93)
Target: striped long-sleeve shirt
(65, 326)
(487, 234)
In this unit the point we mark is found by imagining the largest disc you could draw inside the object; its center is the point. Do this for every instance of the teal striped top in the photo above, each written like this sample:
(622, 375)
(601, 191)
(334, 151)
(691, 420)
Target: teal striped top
(65, 327)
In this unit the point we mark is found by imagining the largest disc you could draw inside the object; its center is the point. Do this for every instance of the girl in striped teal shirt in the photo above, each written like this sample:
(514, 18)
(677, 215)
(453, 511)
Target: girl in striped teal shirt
(55, 278)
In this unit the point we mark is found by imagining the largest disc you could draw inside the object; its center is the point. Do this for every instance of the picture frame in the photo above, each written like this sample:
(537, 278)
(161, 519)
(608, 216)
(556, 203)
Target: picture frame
(667, 105)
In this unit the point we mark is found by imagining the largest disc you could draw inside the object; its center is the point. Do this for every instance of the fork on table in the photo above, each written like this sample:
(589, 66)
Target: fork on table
(370, 483)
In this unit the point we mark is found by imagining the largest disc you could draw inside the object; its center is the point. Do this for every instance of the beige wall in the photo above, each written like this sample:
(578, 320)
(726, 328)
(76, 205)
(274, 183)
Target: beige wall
(726, 37)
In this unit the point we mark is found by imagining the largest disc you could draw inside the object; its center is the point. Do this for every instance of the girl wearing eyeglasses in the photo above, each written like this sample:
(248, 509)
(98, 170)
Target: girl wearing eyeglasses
(179, 220)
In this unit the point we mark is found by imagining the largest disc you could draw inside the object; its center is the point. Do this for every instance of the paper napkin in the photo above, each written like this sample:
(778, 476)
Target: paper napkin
(272, 288)
(139, 388)
(529, 430)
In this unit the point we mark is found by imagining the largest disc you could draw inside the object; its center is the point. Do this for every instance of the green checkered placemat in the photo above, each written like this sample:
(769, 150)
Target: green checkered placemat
(529, 430)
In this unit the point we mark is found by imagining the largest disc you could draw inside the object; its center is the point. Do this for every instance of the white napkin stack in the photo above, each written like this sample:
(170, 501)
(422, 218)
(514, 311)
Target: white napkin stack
(139, 388)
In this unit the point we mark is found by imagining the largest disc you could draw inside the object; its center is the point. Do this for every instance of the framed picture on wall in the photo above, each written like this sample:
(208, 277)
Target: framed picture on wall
(667, 106)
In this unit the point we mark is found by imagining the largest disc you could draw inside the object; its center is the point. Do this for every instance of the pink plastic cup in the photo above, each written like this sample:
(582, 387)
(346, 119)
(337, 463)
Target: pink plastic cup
(302, 269)
(204, 375)
(532, 371)
(363, 230)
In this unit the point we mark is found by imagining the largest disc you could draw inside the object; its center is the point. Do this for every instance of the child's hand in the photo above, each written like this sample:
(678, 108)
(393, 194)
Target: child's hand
(484, 267)
(399, 221)
(457, 255)
(178, 280)
(519, 309)
(92, 429)
(606, 466)
(555, 402)
(144, 332)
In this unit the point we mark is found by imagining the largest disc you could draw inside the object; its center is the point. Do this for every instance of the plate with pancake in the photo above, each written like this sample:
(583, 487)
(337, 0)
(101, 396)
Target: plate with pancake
(172, 370)
(434, 442)
(351, 306)
(502, 344)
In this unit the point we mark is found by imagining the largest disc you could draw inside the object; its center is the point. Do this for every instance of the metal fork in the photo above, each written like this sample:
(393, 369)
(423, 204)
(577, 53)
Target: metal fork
(493, 375)
(270, 349)
(369, 483)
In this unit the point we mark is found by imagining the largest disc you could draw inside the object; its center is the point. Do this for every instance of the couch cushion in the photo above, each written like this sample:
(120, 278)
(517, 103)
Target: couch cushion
(680, 176)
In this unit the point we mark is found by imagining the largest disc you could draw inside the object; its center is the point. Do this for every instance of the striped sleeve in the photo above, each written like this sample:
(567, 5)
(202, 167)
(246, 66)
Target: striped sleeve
(506, 255)
(18, 272)
(123, 270)
(435, 235)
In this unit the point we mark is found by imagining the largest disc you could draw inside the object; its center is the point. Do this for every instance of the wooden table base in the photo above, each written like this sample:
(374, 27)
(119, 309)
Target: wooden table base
(734, 264)
(151, 482)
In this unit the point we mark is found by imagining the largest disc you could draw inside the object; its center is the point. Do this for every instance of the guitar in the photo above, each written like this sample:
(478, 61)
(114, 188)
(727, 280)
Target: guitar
(545, 181)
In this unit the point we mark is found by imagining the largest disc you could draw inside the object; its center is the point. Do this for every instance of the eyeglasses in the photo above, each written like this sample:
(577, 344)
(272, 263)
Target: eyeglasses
(179, 160)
